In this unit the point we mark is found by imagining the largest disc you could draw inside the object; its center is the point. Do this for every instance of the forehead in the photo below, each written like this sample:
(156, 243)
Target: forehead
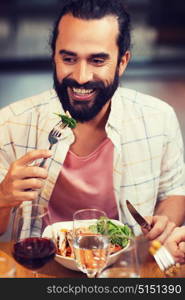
(93, 35)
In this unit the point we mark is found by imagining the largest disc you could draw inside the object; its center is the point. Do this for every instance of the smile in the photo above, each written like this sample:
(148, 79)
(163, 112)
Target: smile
(82, 91)
(81, 94)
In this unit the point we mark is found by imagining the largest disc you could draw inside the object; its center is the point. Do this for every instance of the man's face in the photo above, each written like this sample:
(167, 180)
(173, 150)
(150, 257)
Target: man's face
(86, 65)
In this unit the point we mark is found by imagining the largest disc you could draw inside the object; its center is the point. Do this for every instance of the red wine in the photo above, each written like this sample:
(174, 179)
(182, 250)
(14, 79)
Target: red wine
(34, 252)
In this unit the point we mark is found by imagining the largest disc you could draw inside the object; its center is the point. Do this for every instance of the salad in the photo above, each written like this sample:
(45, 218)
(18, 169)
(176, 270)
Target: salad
(118, 235)
(67, 120)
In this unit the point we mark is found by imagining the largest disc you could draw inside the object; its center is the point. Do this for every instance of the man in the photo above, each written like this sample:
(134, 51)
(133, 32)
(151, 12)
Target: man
(126, 145)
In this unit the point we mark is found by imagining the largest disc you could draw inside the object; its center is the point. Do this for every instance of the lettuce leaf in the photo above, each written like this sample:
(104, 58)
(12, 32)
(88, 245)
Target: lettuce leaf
(118, 234)
(70, 122)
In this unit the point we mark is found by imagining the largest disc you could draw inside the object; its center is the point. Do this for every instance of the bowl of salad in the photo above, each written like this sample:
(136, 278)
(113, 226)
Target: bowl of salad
(118, 234)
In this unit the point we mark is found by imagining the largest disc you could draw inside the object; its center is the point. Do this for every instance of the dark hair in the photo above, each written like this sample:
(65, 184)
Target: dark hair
(96, 9)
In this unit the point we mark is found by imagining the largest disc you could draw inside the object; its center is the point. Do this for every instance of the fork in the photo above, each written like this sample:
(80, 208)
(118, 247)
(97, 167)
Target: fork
(164, 259)
(53, 138)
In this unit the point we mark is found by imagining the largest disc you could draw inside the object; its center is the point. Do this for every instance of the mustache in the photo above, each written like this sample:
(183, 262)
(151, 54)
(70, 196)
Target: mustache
(88, 85)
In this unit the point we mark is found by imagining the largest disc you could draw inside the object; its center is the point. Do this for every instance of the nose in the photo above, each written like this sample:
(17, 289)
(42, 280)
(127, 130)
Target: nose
(82, 73)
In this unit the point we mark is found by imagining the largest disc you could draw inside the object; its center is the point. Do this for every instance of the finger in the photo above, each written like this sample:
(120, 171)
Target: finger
(145, 231)
(13, 204)
(180, 260)
(166, 233)
(172, 245)
(33, 155)
(32, 172)
(159, 224)
(32, 183)
(149, 221)
(38, 165)
(177, 253)
(179, 234)
(26, 196)
(175, 245)
(182, 247)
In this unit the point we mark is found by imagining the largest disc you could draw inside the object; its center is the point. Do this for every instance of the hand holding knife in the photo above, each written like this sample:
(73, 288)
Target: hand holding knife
(138, 218)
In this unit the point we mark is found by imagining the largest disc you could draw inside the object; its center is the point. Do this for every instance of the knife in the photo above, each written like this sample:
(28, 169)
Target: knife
(138, 218)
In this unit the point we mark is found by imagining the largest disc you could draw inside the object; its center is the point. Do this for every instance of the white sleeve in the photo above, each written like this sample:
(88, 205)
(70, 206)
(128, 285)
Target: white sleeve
(172, 179)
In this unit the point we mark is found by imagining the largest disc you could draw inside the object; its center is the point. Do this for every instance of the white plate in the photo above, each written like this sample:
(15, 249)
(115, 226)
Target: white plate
(69, 262)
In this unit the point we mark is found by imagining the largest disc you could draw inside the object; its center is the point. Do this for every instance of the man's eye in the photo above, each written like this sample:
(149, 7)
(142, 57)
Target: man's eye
(69, 60)
(98, 61)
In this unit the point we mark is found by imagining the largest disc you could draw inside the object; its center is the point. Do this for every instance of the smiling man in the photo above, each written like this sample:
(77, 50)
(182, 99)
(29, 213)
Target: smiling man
(126, 145)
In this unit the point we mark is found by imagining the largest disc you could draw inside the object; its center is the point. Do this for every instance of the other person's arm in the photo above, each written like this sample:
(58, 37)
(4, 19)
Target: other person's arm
(169, 214)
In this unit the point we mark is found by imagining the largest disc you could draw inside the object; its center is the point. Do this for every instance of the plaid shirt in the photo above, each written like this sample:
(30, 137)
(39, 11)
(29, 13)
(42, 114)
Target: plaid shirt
(148, 161)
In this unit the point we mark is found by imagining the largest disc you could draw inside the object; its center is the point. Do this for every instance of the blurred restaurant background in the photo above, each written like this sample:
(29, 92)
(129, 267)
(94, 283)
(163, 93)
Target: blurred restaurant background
(157, 66)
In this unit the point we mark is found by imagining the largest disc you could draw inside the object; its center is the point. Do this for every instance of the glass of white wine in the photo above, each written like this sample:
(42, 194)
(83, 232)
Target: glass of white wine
(90, 242)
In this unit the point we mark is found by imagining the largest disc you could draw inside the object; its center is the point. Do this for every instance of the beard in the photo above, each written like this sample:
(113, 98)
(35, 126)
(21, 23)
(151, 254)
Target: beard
(83, 111)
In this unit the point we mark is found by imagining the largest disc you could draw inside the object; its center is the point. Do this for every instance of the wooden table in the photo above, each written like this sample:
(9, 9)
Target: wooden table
(148, 266)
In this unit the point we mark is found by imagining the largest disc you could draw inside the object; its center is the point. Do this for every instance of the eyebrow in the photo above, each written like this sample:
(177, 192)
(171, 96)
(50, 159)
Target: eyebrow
(102, 55)
(67, 52)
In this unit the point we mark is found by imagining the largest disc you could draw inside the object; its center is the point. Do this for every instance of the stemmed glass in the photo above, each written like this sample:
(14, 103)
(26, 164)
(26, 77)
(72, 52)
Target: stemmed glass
(91, 246)
(29, 247)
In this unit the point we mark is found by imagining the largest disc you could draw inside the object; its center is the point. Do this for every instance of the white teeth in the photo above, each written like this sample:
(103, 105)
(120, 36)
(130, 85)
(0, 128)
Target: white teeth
(82, 91)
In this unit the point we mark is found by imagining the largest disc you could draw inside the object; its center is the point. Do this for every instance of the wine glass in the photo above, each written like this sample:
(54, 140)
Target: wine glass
(29, 247)
(90, 241)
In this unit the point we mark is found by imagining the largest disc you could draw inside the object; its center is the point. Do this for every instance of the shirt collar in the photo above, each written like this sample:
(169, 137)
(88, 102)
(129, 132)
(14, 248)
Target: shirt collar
(114, 126)
(116, 112)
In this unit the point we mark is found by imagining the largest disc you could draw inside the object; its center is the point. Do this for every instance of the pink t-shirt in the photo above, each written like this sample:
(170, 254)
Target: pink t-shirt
(85, 182)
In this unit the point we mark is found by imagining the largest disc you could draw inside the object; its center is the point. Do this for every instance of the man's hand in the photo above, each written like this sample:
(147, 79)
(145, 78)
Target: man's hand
(161, 228)
(176, 244)
(23, 181)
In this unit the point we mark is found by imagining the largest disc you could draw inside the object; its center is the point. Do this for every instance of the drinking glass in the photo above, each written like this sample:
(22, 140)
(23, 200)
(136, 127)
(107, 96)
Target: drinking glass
(7, 267)
(91, 247)
(29, 247)
(126, 266)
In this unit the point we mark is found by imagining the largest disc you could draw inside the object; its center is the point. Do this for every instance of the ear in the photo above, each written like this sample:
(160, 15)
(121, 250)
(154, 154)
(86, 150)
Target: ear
(123, 63)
